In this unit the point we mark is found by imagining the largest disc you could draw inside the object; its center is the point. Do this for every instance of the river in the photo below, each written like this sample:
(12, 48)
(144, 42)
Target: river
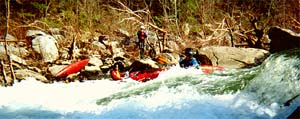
(260, 92)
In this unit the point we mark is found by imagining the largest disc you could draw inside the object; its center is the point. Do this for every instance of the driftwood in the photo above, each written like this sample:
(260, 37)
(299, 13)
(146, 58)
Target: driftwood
(164, 32)
(3, 40)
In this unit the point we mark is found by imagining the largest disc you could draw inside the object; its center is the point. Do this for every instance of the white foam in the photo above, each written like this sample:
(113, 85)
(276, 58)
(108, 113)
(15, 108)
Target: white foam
(183, 101)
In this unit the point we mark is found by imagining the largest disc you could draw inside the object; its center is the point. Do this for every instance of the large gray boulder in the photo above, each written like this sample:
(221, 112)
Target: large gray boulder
(43, 44)
(231, 57)
(46, 46)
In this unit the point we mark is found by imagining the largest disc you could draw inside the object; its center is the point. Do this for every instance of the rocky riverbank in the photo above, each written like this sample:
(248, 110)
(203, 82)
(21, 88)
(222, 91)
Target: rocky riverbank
(43, 53)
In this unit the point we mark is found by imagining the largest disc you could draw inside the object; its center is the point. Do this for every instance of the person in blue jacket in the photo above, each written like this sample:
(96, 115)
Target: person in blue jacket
(189, 61)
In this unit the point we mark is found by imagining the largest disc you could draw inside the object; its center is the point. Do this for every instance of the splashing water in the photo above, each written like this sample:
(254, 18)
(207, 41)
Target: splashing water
(252, 93)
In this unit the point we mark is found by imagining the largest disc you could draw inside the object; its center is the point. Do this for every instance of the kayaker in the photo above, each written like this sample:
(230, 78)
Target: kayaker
(116, 74)
(189, 61)
(142, 35)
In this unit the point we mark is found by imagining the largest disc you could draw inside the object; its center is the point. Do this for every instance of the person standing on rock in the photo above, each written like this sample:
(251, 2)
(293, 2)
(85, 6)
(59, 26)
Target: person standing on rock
(142, 35)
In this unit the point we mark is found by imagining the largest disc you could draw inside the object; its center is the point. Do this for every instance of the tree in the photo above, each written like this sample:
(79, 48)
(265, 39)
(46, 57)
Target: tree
(5, 45)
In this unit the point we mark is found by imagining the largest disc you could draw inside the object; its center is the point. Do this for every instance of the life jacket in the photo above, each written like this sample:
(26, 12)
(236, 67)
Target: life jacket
(115, 75)
(189, 63)
(142, 35)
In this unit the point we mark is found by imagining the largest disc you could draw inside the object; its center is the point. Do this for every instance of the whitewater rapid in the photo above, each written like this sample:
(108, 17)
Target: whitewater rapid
(175, 94)
(32, 99)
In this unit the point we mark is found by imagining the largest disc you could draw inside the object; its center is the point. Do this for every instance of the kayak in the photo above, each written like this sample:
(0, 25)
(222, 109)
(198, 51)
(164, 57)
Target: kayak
(207, 69)
(147, 75)
(144, 76)
(72, 68)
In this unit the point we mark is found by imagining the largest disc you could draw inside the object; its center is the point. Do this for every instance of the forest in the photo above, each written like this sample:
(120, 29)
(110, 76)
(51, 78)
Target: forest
(103, 16)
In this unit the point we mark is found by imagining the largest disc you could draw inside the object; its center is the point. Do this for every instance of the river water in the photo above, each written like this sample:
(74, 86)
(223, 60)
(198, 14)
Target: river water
(253, 93)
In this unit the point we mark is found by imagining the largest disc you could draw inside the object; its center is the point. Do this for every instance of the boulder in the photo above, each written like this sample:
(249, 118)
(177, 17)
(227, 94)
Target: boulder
(117, 51)
(46, 46)
(35, 33)
(18, 51)
(125, 62)
(231, 57)
(95, 61)
(92, 69)
(24, 73)
(283, 39)
(55, 69)
(144, 64)
(201, 58)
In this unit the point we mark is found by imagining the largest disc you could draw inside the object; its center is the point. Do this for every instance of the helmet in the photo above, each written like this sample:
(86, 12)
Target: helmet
(142, 27)
(190, 53)
(116, 65)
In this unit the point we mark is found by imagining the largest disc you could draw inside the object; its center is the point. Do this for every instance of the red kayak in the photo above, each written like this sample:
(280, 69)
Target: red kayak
(144, 76)
(209, 69)
(72, 68)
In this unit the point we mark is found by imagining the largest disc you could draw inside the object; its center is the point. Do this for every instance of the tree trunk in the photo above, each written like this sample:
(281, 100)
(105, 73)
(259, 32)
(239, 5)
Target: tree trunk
(5, 39)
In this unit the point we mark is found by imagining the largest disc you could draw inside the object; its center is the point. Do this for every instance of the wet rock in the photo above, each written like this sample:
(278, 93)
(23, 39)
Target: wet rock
(24, 73)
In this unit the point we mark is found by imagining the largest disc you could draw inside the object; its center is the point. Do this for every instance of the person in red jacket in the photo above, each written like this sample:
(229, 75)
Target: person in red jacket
(116, 74)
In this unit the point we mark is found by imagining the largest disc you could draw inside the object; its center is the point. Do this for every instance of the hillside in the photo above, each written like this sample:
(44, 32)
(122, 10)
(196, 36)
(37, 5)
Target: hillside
(79, 24)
